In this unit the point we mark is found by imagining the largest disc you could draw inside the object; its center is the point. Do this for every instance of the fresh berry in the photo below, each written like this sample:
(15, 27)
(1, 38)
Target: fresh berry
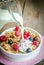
(35, 43)
(34, 39)
(10, 42)
(17, 33)
(17, 28)
(28, 50)
(26, 35)
(31, 39)
(3, 38)
(16, 46)
(0, 37)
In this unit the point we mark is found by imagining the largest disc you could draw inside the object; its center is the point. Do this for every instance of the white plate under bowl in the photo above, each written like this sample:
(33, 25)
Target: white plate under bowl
(21, 57)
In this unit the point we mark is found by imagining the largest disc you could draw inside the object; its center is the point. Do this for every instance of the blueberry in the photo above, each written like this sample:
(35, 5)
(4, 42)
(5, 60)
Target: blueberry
(10, 42)
(34, 39)
(31, 39)
(28, 50)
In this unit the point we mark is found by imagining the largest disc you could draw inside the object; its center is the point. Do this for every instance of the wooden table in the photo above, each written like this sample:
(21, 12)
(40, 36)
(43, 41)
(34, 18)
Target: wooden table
(33, 14)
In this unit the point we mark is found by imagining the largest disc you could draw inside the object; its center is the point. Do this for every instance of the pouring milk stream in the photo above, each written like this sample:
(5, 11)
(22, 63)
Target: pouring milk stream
(18, 19)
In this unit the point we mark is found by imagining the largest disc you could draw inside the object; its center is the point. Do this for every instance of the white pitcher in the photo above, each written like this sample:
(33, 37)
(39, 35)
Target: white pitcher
(6, 11)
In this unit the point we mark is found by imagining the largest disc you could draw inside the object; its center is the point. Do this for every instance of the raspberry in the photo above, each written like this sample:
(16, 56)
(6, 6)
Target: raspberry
(0, 37)
(3, 38)
(16, 46)
(17, 28)
(17, 33)
(35, 43)
(26, 35)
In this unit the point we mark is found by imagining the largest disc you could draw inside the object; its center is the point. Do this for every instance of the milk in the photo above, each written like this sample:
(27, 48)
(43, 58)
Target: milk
(18, 19)
(24, 43)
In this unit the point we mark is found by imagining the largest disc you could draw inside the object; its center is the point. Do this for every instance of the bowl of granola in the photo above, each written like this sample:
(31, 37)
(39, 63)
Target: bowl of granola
(13, 48)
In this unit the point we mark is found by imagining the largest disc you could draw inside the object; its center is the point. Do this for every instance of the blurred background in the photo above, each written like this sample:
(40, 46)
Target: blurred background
(33, 14)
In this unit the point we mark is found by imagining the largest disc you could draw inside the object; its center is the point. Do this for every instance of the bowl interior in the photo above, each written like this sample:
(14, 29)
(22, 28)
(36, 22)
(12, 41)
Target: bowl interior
(31, 30)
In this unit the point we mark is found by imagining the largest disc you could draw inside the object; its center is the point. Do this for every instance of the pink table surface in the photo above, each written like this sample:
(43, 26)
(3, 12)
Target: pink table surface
(28, 62)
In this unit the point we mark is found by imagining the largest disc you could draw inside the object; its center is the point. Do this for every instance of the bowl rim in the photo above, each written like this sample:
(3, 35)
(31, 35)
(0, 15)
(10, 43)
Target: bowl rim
(24, 53)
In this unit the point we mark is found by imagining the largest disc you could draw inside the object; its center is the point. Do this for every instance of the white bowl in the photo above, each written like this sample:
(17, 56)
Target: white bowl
(21, 57)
